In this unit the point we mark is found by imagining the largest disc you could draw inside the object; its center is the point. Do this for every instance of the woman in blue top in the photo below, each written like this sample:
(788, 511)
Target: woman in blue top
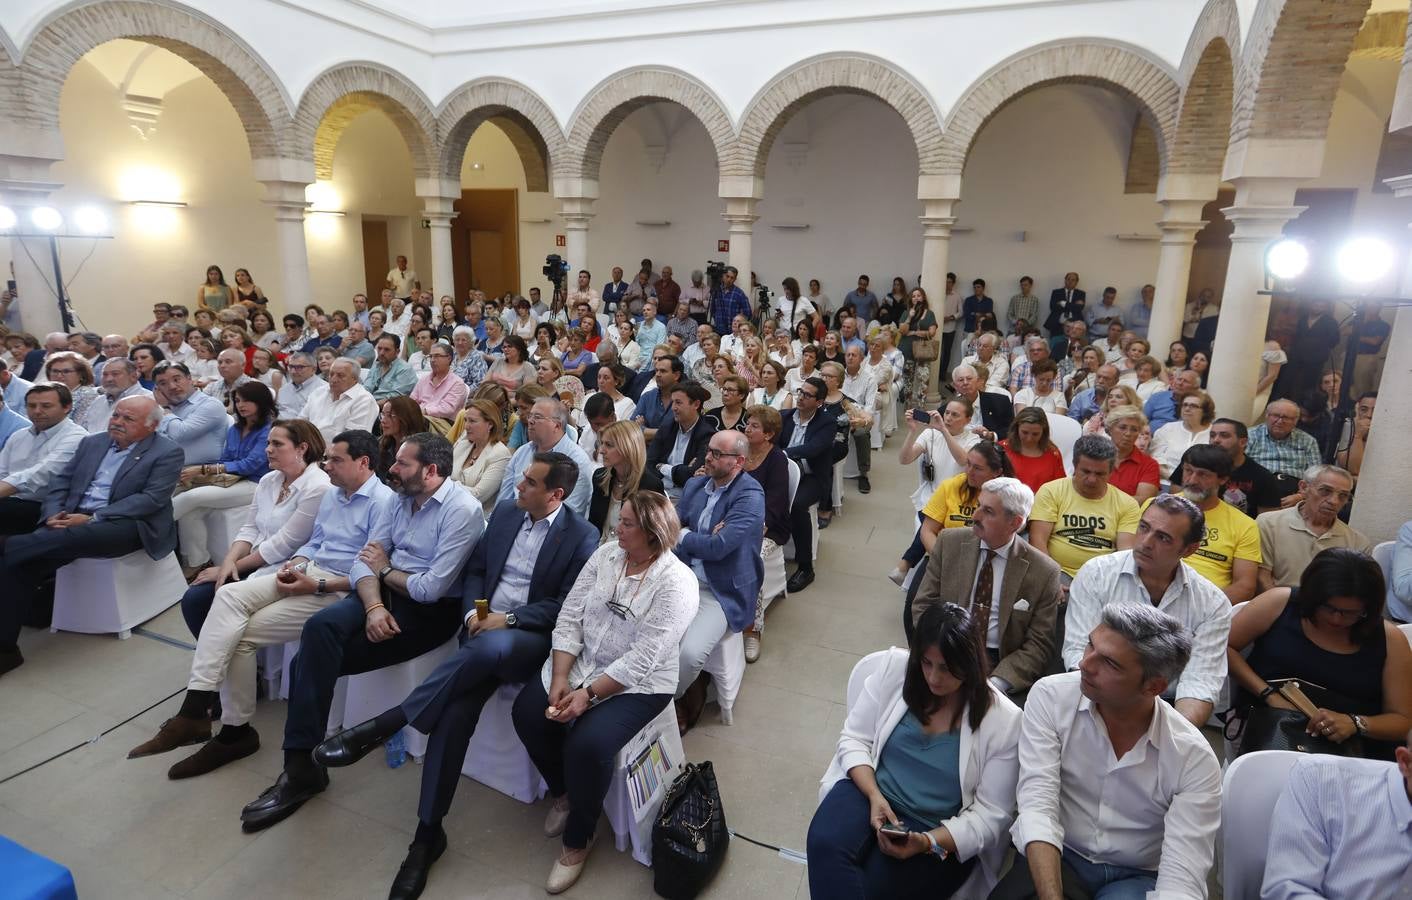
(919, 799)
(242, 463)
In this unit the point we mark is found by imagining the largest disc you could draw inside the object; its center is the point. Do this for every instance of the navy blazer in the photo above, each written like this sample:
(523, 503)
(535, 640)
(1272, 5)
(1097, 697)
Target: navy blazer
(569, 544)
(815, 455)
(730, 555)
(696, 446)
(1061, 311)
(142, 488)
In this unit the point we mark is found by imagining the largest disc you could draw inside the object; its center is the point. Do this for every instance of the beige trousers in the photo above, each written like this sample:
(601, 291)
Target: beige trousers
(246, 616)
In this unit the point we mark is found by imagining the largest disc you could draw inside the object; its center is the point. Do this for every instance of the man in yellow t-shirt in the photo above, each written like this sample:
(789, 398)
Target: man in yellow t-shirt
(1229, 555)
(1075, 519)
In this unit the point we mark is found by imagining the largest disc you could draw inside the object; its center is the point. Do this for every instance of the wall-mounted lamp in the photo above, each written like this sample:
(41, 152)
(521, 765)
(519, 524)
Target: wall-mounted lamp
(159, 204)
(653, 223)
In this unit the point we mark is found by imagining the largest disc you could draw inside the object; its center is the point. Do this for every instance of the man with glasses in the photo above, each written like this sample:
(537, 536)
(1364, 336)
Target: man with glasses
(119, 381)
(196, 421)
(346, 405)
(301, 384)
(1229, 555)
(807, 436)
(1282, 448)
(439, 393)
(547, 429)
(723, 521)
(1289, 538)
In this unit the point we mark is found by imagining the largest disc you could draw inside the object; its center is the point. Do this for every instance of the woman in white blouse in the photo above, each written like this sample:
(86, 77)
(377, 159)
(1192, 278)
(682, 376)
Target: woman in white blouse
(279, 521)
(772, 391)
(479, 456)
(1194, 427)
(919, 799)
(616, 647)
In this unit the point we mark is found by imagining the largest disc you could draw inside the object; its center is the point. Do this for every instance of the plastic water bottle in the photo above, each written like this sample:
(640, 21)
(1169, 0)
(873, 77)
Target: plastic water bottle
(396, 750)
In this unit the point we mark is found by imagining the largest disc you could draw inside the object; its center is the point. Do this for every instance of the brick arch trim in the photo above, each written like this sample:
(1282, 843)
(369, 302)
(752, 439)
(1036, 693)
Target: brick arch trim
(518, 111)
(341, 94)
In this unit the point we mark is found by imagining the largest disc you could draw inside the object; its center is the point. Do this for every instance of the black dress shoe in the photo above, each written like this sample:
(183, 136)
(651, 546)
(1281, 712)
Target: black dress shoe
(864, 485)
(799, 581)
(349, 745)
(279, 801)
(411, 878)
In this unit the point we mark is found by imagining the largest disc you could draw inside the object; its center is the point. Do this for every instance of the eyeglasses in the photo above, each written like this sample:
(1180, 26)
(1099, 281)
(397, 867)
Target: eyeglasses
(62, 371)
(1325, 492)
(809, 395)
(717, 454)
(1354, 614)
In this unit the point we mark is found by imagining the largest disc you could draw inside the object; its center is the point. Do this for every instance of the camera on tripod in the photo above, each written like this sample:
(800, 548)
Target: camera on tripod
(556, 269)
(715, 271)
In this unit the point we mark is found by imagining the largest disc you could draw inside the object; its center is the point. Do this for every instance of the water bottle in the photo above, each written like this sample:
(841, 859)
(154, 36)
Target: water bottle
(396, 750)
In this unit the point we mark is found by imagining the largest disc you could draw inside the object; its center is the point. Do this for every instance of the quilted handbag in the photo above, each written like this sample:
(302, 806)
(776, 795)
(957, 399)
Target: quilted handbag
(689, 838)
(1272, 728)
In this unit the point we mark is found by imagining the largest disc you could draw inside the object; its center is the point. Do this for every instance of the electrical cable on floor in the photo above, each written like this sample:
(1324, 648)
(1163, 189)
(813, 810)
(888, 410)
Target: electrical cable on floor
(797, 856)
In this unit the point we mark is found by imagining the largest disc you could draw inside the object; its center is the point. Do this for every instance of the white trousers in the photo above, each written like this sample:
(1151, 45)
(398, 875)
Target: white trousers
(190, 509)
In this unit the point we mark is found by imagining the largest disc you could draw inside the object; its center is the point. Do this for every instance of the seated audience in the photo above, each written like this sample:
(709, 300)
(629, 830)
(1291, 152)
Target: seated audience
(546, 429)
(1170, 441)
(1083, 517)
(112, 498)
(1251, 488)
(679, 448)
(230, 369)
(1119, 795)
(389, 376)
(808, 434)
(767, 463)
(1229, 556)
(345, 406)
(610, 381)
(731, 415)
(195, 421)
(929, 751)
(439, 393)
(518, 423)
(624, 470)
(1339, 829)
(597, 414)
(118, 381)
(1032, 454)
(398, 419)
(525, 562)
(1328, 633)
(229, 482)
(301, 384)
(1281, 447)
(480, 456)
(1134, 472)
(1153, 574)
(991, 411)
(1290, 537)
(1013, 592)
(74, 373)
(1399, 598)
(278, 522)
(34, 455)
(613, 669)
(399, 599)
(1165, 406)
(1041, 392)
(955, 498)
(939, 447)
(654, 404)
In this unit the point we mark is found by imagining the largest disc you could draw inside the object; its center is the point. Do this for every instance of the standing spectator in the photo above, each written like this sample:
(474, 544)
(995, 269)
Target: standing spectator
(1066, 304)
(1315, 336)
(1139, 316)
(918, 324)
(1083, 517)
(668, 293)
(974, 306)
(402, 281)
(731, 302)
(1103, 314)
(864, 301)
(1290, 537)
(807, 434)
(1023, 310)
(214, 293)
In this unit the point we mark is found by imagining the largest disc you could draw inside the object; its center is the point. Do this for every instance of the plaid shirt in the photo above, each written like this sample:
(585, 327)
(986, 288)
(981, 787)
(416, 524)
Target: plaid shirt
(1290, 456)
(1022, 307)
(1020, 377)
(727, 306)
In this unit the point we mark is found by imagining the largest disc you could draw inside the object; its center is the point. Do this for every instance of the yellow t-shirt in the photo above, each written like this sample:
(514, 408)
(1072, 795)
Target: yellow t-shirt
(1083, 528)
(1230, 535)
(950, 503)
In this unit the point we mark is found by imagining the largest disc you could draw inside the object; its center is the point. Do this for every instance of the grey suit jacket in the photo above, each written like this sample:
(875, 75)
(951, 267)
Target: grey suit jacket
(142, 490)
(1026, 634)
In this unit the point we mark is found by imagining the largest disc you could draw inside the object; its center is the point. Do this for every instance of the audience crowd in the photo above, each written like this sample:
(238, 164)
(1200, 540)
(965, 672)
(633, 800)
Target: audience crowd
(592, 492)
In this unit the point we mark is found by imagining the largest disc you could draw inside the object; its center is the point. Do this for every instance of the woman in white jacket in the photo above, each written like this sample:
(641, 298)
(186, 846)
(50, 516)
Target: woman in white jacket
(921, 794)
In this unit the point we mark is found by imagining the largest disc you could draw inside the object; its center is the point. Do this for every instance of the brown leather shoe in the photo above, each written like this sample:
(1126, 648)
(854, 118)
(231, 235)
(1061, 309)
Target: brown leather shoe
(690, 704)
(214, 754)
(178, 731)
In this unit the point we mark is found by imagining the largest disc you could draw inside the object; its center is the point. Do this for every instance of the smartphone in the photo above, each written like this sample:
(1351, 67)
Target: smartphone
(921, 415)
(896, 832)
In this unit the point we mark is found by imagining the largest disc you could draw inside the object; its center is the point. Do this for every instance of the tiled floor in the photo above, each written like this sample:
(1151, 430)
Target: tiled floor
(127, 831)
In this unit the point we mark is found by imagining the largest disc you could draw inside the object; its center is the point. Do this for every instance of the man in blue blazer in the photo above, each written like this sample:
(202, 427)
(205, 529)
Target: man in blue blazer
(723, 521)
(113, 498)
(525, 564)
(1065, 304)
(807, 435)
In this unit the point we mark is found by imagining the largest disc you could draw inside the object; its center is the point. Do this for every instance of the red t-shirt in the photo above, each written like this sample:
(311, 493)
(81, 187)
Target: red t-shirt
(1036, 470)
(1138, 468)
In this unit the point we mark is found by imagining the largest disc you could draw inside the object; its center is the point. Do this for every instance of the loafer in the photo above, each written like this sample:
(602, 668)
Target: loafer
(824, 523)
(557, 818)
(752, 647)
(562, 877)
(411, 877)
(897, 576)
(178, 731)
(864, 485)
(799, 581)
(349, 745)
(280, 800)
(214, 754)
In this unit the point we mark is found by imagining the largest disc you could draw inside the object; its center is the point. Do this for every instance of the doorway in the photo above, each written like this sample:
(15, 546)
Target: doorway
(375, 259)
(485, 243)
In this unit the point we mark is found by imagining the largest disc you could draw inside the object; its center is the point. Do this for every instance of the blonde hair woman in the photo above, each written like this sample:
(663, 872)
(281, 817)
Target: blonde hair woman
(624, 470)
(480, 456)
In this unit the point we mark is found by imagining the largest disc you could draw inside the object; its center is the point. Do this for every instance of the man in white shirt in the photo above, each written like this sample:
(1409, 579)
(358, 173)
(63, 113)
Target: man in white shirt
(34, 455)
(402, 281)
(1171, 529)
(583, 292)
(859, 386)
(1118, 792)
(230, 363)
(118, 382)
(174, 345)
(399, 318)
(301, 384)
(345, 406)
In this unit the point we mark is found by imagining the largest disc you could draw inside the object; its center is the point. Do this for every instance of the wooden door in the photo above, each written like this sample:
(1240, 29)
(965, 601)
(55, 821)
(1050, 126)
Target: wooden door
(485, 242)
(487, 262)
(375, 259)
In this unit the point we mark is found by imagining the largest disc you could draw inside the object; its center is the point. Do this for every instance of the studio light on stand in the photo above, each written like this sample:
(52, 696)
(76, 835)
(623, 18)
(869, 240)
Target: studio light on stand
(49, 224)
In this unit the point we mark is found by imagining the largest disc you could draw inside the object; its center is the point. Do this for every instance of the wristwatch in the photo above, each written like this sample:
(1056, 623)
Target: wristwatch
(592, 697)
(322, 588)
(383, 573)
(1361, 724)
(511, 620)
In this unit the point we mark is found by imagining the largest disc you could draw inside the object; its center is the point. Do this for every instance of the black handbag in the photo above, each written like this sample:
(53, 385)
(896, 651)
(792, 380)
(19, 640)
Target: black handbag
(689, 838)
(1272, 728)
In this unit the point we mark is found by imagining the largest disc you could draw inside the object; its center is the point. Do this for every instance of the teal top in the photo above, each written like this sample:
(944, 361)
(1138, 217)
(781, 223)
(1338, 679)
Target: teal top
(920, 774)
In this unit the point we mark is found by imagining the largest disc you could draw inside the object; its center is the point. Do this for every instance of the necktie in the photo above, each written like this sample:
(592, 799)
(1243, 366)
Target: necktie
(980, 602)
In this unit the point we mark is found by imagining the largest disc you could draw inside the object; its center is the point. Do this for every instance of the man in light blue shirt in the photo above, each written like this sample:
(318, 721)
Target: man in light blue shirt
(1139, 317)
(10, 422)
(196, 421)
(389, 376)
(1342, 830)
(547, 426)
(33, 456)
(15, 387)
(651, 332)
(1087, 402)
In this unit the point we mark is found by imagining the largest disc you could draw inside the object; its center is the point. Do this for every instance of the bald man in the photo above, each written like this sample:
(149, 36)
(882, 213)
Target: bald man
(114, 497)
(230, 363)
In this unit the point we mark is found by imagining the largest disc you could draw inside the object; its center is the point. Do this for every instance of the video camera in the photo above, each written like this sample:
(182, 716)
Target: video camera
(556, 269)
(715, 271)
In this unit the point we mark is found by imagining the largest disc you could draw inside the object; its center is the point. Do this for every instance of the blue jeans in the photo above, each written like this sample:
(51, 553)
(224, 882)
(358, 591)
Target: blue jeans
(845, 862)
(1108, 882)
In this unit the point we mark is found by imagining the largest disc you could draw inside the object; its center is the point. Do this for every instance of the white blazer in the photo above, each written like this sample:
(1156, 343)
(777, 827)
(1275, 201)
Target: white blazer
(990, 767)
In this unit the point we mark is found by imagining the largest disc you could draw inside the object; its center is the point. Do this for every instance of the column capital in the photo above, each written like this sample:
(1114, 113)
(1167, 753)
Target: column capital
(937, 227)
(1401, 185)
(1259, 223)
(1176, 231)
(743, 187)
(939, 187)
(740, 224)
(576, 189)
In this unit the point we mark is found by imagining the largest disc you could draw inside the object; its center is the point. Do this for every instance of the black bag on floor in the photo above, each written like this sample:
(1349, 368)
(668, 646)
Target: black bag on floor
(689, 838)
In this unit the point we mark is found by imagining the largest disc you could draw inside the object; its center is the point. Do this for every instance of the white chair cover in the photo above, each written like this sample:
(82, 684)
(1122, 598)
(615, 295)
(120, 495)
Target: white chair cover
(631, 814)
(1064, 431)
(371, 693)
(1252, 785)
(496, 758)
(114, 596)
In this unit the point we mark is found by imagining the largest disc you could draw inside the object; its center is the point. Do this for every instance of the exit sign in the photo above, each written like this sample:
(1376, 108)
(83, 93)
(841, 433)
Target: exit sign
(723, 246)
(559, 241)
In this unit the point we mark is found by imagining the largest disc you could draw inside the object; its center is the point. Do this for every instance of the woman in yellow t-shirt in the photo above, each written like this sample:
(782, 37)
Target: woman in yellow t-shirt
(954, 500)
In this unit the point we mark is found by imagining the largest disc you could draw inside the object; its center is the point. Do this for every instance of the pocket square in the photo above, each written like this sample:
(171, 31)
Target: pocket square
(1020, 605)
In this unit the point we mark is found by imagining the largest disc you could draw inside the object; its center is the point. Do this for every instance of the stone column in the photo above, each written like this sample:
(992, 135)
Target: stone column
(438, 196)
(576, 196)
(285, 182)
(742, 195)
(1262, 207)
(1384, 501)
(939, 195)
(1182, 198)
(25, 184)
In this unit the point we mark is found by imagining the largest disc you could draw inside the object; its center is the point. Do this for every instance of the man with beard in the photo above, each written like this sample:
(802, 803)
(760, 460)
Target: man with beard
(1229, 555)
(406, 600)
